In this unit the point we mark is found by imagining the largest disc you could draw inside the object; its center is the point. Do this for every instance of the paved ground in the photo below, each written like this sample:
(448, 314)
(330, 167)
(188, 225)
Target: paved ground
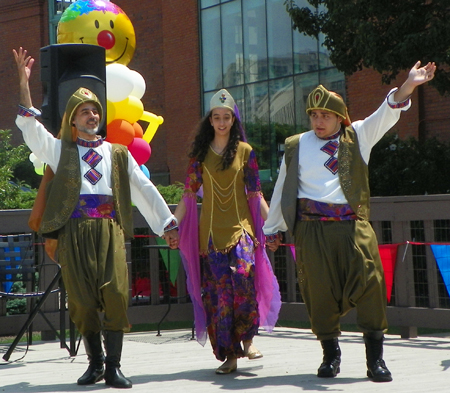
(174, 363)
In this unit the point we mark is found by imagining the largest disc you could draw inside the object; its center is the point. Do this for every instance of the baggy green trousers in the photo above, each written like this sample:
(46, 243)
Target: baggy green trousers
(92, 255)
(339, 268)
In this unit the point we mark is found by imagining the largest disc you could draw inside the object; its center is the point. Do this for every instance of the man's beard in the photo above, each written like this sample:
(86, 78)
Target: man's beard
(89, 131)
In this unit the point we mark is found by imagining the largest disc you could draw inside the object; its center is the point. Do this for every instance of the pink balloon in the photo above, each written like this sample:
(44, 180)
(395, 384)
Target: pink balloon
(140, 150)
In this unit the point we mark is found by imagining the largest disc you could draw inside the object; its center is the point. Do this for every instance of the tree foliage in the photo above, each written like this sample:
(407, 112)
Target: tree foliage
(409, 167)
(388, 36)
(12, 194)
(171, 193)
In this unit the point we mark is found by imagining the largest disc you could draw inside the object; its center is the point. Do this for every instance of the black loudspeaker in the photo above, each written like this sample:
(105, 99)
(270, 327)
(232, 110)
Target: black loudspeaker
(64, 69)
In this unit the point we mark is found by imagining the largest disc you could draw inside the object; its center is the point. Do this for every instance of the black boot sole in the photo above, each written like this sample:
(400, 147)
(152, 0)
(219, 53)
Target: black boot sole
(330, 374)
(379, 378)
(90, 382)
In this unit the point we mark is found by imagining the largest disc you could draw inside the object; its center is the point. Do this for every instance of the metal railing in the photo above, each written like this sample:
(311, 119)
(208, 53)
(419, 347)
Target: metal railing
(419, 296)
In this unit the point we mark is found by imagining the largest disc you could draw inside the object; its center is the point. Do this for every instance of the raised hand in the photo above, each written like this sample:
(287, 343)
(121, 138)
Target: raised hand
(24, 65)
(419, 75)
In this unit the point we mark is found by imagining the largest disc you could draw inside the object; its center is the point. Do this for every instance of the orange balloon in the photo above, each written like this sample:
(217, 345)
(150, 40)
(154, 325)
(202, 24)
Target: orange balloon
(120, 131)
(138, 131)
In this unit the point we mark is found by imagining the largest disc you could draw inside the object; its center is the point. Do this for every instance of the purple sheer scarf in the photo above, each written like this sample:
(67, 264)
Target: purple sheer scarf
(267, 288)
(190, 255)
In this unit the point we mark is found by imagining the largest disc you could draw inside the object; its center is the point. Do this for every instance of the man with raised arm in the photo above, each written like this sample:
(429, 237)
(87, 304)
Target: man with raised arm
(88, 210)
(322, 197)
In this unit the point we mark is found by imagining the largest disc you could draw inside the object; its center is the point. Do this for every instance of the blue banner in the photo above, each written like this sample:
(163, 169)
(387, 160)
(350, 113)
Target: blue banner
(442, 255)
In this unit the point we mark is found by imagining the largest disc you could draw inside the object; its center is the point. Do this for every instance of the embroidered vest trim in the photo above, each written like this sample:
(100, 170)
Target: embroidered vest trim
(121, 189)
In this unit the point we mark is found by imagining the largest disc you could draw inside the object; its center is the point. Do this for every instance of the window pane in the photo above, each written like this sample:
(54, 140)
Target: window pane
(324, 54)
(255, 45)
(305, 53)
(61, 5)
(232, 48)
(279, 28)
(282, 101)
(208, 3)
(206, 99)
(304, 84)
(282, 115)
(333, 80)
(211, 48)
(305, 48)
(257, 121)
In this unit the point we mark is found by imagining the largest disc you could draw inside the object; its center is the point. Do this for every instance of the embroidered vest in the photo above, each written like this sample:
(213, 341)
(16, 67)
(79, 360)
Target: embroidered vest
(353, 177)
(63, 191)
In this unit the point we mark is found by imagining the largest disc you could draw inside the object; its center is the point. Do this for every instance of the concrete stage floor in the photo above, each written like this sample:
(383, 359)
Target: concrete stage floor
(174, 363)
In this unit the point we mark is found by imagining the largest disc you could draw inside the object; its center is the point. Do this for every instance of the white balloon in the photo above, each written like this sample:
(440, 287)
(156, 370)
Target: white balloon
(38, 163)
(138, 83)
(119, 82)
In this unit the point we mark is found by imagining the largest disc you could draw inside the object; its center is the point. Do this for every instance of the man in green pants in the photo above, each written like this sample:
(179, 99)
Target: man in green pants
(322, 197)
(88, 210)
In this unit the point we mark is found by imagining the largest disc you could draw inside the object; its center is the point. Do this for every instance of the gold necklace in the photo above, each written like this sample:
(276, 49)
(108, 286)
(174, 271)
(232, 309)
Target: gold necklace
(214, 149)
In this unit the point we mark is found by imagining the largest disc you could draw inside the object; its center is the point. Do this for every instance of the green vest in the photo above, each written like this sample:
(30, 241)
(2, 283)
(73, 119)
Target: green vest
(353, 177)
(63, 191)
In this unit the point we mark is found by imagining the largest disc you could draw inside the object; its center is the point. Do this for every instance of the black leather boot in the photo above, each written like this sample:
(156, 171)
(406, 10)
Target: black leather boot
(376, 368)
(330, 366)
(94, 351)
(113, 346)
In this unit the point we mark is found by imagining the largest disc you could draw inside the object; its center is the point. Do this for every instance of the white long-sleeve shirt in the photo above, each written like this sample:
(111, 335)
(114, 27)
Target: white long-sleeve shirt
(318, 183)
(144, 194)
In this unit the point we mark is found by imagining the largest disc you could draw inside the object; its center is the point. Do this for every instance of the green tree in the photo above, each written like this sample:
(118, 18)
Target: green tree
(409, 167)
(388, 36)
(12, 193)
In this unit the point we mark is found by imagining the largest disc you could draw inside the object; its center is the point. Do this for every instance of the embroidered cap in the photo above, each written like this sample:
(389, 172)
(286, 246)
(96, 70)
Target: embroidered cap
(222, 99)
(81, 96)
(321, 98)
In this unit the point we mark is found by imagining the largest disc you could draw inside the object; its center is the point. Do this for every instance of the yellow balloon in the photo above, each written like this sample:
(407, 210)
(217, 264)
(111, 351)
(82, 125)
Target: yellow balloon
(40, 170)
(99, 23)
(110, 111)
(154, 122)
(130, 109)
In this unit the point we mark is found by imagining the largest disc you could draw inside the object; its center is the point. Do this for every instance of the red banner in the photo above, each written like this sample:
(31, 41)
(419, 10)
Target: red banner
(388, 254)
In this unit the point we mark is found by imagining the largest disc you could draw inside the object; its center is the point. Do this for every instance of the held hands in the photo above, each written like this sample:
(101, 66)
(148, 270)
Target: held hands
(172, 238)
(273, 245)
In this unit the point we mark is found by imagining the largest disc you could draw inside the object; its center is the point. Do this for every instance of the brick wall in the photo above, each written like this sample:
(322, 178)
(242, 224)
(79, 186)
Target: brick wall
(167, 56)
(182, 81)
(365, 93)
(22, 23)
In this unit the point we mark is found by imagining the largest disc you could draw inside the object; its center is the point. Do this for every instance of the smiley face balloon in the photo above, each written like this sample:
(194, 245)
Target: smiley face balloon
(99, 22)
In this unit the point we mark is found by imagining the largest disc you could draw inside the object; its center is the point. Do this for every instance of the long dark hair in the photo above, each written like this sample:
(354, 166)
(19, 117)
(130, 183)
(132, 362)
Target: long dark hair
(205, 134)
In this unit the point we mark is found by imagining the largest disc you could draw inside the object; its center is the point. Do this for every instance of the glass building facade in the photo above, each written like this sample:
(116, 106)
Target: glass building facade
(55, 10)
(250, 48)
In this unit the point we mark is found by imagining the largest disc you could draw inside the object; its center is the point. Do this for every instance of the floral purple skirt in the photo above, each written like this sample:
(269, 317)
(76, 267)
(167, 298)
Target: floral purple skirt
(229, 298)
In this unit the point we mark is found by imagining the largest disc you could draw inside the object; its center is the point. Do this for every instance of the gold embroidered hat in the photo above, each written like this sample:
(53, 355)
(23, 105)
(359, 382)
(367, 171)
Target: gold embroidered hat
(222, 99)
(81, 96)
(321, 98)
